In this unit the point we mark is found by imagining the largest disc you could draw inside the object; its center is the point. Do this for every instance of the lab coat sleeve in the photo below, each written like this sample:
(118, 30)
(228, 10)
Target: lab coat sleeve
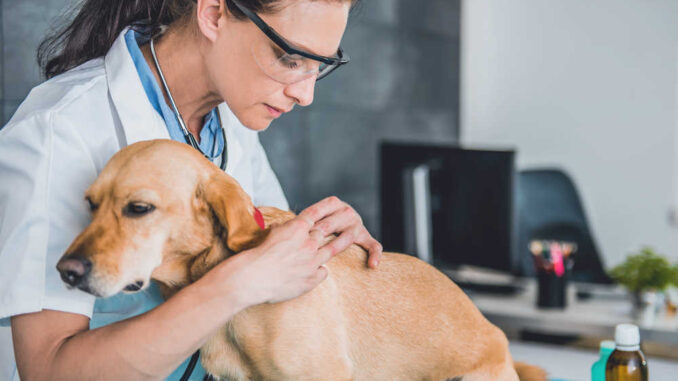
(267, 189)
(44, 172)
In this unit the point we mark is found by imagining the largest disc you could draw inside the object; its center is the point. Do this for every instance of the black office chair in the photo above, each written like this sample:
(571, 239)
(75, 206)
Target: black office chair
(549, 207)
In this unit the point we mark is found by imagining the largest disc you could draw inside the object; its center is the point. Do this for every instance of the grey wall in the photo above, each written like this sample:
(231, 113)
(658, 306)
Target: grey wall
(402, 83)
(23, 25)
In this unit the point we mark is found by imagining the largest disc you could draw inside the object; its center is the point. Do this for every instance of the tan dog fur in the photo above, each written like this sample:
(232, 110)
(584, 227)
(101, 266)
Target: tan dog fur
(402, 321)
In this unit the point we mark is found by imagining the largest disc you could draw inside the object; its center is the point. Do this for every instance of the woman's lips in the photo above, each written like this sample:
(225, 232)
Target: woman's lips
(275, 112)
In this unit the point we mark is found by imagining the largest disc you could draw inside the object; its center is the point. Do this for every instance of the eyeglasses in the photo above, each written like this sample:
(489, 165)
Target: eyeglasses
(288, 64)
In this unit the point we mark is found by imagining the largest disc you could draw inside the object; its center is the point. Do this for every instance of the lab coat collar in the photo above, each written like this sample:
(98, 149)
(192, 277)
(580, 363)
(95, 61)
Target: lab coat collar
(139, 119)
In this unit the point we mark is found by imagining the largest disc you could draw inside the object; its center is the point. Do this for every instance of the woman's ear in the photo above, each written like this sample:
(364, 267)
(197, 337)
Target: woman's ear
(208, 13)
(234, 211)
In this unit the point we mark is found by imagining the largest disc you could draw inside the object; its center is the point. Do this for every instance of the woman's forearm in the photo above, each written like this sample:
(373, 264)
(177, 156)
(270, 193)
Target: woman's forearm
(149, 346)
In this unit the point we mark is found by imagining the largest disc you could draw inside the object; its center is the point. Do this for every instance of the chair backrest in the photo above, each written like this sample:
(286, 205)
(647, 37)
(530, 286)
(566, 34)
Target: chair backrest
(549, 207)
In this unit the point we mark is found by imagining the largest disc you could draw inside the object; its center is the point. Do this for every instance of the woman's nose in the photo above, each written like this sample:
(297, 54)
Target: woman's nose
(302, 91)
(74, 269)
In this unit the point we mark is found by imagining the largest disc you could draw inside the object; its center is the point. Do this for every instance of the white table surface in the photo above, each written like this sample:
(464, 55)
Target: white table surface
(565, 363)
(596, 317)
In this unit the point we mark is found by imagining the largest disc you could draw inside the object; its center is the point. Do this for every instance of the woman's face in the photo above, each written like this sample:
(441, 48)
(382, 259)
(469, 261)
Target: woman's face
(235, 69)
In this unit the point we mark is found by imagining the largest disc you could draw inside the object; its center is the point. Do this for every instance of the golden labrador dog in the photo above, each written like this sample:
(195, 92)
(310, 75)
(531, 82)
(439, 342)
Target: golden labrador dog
(402, 321)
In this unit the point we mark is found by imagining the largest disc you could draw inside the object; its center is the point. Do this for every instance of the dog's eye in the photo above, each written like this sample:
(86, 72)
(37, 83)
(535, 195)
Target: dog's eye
(137, 209)
(92, 206)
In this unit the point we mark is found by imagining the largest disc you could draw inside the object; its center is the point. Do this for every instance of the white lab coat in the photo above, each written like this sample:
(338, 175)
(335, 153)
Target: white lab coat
(53, 148)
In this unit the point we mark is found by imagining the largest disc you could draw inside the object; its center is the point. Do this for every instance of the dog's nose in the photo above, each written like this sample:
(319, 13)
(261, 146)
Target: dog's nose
(74, 269)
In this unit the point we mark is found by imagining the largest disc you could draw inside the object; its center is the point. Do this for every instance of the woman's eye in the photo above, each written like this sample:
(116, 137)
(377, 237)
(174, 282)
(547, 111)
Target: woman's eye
(289, 62)
(137, 209)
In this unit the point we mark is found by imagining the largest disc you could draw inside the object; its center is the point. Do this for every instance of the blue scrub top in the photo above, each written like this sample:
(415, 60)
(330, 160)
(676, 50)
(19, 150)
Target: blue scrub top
(123, 306)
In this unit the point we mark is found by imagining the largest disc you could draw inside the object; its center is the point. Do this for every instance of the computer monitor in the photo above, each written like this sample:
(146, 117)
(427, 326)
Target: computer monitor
(449, 205)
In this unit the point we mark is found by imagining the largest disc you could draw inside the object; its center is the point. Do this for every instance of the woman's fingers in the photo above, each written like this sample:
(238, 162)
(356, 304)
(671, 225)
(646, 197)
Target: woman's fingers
(300, 225)
(339, 221)
(373, 247)
(342, 242)
(322, 208)
(316, 236)
(332, 215)
(363, 238)
(307, 220)
(320, 275)
(324, 254)
(316, 278)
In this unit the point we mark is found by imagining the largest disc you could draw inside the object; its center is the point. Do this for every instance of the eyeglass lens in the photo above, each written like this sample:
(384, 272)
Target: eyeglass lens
(287, 68)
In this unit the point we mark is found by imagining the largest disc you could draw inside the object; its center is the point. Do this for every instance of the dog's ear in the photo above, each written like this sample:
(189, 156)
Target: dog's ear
(234, 211)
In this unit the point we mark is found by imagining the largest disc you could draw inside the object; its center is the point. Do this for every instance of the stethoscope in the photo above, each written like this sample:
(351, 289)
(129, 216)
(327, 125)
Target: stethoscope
(187, 135)
(190, 140)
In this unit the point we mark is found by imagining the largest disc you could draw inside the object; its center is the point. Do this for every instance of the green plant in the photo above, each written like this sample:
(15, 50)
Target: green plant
(644, 271)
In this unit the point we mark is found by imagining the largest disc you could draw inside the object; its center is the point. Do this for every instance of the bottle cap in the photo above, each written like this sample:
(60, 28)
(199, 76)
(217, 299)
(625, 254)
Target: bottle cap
(627, 337)
(606, 347)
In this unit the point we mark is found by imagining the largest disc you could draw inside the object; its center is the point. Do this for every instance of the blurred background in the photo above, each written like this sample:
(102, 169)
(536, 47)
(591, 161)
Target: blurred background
(468, 131)
(402, 83)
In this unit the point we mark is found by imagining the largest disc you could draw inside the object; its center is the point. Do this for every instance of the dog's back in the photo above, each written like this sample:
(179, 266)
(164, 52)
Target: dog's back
(424, 326)
(402, 321)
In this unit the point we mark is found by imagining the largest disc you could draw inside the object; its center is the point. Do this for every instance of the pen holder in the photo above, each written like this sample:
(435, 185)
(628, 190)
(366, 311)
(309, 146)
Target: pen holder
(552, 261)
(551, 290)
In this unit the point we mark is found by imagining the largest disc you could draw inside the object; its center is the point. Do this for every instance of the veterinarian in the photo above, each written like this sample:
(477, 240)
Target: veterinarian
(210, 73)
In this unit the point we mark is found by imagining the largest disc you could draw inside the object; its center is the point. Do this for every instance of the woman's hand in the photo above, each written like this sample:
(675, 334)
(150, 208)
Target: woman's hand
(287, 264)
(331, 216)
(290, 261)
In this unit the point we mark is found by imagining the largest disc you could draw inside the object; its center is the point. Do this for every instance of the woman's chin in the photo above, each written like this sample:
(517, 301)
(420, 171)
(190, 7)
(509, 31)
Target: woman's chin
(257, 123)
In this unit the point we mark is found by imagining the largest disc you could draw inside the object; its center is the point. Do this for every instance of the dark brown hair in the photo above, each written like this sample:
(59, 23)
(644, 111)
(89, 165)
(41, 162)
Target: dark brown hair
(97, 23)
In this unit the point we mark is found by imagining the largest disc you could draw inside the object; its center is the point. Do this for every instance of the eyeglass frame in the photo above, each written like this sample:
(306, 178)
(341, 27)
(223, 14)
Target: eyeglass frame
(335, 63)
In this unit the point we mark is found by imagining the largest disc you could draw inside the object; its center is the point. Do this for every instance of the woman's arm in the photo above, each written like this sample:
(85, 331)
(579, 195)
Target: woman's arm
(58, 345)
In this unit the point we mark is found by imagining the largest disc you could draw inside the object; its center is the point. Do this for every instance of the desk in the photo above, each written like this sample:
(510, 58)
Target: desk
(593, 318)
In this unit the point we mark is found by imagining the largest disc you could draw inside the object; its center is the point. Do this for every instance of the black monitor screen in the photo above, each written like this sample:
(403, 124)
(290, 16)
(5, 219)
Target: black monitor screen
(469, 207)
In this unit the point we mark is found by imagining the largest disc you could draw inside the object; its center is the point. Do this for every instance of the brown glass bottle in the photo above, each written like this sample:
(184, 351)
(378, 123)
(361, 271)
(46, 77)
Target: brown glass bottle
(627, 362)
(626, 366)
